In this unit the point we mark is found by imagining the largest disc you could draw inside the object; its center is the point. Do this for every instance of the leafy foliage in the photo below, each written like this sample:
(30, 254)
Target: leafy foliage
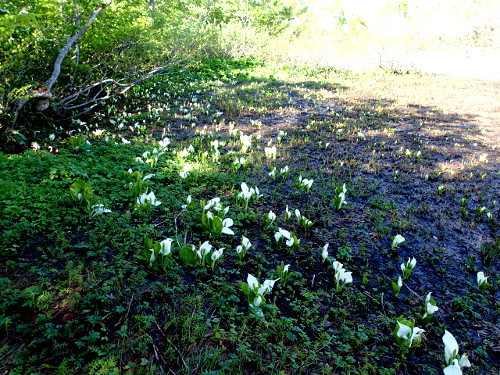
(96, 294)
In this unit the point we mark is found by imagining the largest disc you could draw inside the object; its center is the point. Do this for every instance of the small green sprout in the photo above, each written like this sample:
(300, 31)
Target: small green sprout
(283, 274)
(396, 286)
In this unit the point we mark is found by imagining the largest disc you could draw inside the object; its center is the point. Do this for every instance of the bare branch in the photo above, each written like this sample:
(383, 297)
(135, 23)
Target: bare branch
(71, 98)
(77, 46)
(119, 87)
(69, 43)
(94, 101)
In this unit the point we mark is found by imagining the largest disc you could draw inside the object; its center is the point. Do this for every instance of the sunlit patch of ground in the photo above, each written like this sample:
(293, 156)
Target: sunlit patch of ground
(479, 63)
(457, 98)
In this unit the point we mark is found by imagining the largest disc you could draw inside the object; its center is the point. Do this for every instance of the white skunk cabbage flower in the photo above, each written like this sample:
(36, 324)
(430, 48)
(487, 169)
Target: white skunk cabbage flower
(324, 253)
(397, 240)
(409, 333)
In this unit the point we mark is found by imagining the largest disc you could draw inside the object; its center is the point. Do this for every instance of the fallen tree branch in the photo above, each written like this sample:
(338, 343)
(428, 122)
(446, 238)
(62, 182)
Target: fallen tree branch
(66, 101)
(43, 94)
(118, 87)
(69, 43)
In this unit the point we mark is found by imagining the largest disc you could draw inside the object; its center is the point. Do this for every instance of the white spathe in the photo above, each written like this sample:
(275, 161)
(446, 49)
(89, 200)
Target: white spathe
(450, 347)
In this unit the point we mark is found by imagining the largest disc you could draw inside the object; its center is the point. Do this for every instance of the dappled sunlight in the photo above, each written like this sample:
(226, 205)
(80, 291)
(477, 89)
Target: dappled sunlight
(458, 103)
(209, 187)
(252, 203)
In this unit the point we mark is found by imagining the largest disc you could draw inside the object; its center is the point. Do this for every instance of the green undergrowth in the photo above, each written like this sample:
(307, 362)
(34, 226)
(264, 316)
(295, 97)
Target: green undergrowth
(89, 285)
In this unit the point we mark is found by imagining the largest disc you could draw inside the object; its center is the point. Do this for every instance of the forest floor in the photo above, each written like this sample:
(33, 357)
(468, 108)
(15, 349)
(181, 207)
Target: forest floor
(88, 292)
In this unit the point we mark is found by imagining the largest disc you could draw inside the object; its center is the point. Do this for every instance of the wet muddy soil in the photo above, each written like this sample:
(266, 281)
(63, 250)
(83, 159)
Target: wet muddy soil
(419, 155)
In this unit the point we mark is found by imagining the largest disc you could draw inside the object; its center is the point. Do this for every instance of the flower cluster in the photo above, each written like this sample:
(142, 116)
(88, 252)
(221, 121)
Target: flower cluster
(270, 152)
(341, 275)
(429, 308)
(236, 133)
(148, 200)
(246, 142)
(407, 267)
(290, 238)
(148, 157)
(246, 194)
(185, 171)
(304, 183)
(255, 292)
(200, 256)
(303, 221)
(281, 135)
(160, 251)
(453, 360)
(284, 172)
(242, 249)
(215, 223)
(84, 195)
(407, 335)
(240, 162)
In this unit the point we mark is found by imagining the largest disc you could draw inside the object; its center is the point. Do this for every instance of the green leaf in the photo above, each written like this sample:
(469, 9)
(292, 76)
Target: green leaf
(217, 225)
(188, 256)
(148, 243)
(204, 222)
(245, 288)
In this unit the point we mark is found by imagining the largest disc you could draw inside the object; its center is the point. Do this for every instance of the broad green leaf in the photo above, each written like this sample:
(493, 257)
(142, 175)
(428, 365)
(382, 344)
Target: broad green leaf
(188, 256)
(217, 225)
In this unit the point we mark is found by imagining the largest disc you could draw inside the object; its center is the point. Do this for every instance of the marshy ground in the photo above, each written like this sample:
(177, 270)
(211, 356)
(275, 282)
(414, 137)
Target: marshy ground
(418, 155)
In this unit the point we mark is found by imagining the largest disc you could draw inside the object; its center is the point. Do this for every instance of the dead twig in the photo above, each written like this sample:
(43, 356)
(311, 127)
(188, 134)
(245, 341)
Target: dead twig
(412, 291)
(173, 345)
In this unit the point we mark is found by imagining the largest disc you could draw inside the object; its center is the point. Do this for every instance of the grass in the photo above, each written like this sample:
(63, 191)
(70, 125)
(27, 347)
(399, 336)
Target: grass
(81, 293)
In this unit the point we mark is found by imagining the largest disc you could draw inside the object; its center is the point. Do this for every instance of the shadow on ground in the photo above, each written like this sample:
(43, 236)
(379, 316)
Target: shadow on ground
(417, 171)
